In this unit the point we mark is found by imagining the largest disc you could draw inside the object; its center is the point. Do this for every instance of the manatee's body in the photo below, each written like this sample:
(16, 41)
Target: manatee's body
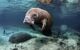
(19, 37)
(40, 18)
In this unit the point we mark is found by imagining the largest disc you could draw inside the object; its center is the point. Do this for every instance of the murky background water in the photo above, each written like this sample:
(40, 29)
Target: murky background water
(66, 14)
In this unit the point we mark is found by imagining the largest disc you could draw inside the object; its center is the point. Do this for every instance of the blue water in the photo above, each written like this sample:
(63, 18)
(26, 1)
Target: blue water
(12, 13)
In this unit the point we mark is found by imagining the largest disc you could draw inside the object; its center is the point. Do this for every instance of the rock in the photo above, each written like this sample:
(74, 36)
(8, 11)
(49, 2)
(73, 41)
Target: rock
(19, 37)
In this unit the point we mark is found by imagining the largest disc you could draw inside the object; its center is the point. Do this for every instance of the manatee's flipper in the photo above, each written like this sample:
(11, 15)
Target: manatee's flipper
(43, 24)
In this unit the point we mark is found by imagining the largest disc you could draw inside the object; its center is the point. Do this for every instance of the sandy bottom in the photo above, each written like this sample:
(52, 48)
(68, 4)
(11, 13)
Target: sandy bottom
(36, 44)
(41, 42)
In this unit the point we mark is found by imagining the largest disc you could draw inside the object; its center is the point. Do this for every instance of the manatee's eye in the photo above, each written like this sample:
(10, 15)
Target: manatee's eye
(34, 16)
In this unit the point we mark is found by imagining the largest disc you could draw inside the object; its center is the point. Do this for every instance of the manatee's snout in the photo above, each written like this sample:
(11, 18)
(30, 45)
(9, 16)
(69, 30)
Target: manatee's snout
(24, 21)
(28, 20)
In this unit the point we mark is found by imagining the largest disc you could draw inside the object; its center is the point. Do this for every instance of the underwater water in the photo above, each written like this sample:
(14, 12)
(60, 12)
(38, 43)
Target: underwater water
(12, 12)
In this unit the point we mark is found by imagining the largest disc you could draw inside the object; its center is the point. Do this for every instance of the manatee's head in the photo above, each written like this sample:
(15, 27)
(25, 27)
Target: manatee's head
(30, 16)
(28, 20)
